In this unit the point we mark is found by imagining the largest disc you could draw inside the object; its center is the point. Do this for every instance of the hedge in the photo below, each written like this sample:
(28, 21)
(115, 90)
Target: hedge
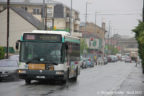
(2, 53)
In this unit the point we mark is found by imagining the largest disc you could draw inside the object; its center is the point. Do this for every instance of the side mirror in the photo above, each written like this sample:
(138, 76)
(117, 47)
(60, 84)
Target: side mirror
(17, 44)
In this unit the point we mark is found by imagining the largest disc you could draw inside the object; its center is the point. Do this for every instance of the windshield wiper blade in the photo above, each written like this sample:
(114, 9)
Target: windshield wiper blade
(33, 60)
(55, 63)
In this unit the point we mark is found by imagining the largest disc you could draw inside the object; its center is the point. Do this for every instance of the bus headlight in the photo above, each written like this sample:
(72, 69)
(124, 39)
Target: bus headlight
(22, 71)
(23, 65)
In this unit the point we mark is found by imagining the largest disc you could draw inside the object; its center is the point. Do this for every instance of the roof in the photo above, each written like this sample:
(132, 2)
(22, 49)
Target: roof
(53, 2)
(82, 24)
(28, 17)
(90, 35)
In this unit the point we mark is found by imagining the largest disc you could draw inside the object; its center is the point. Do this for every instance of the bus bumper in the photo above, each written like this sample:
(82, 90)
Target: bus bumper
(41, 74)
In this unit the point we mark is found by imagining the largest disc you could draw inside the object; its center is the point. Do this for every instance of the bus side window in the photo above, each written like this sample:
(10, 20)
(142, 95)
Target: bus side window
(63, 51)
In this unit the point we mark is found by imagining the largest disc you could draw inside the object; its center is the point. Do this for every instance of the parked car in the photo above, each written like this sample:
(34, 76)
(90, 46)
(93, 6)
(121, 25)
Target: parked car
(115, 58)
(8, 69)
(123, 58)
(105, 60)
(89, 62)
(14, 57)
(111, 58)
(100, 61)
(83, 63)
(128, 59)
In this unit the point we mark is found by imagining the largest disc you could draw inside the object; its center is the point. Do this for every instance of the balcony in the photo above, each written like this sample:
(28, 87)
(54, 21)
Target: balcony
(67, 19)
(77, 21)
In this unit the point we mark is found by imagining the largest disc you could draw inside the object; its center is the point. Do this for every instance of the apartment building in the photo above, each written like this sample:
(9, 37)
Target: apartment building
(54, 15)
(20, 22)
(124, 43)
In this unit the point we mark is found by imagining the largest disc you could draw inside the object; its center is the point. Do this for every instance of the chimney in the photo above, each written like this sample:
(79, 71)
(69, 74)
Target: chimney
(103, 25)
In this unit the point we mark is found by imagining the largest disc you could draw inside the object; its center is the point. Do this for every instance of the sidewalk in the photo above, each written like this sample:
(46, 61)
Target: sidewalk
(133, 85)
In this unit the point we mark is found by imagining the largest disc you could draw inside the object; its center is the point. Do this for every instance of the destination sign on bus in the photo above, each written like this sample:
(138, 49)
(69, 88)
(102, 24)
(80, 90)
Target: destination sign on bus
(43, 37)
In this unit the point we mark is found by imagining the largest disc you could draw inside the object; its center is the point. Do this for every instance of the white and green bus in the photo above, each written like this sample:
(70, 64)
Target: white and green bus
(53, 55)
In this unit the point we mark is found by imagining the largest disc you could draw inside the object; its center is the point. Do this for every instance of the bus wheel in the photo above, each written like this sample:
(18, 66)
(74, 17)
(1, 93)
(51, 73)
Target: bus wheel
(75, 78)
(27, 81)
(67, 78)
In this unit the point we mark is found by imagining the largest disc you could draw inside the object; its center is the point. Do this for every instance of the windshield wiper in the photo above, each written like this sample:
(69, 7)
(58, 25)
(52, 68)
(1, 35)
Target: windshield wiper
(45, 62)
(32, 60)
(55, 63)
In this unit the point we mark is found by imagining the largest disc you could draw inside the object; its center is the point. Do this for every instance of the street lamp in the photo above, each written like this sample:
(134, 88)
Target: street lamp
(86, 22)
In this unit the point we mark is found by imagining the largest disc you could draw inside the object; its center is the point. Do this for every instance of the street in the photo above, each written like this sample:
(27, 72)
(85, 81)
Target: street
(71, 48)
(100, 80)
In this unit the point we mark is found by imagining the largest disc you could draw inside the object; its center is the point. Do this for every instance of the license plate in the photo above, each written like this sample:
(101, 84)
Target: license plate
(40, 77)
(3, 75)
(36, 66)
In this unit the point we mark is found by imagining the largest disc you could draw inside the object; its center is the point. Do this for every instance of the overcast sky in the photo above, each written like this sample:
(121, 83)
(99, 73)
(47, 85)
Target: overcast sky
(123, 14)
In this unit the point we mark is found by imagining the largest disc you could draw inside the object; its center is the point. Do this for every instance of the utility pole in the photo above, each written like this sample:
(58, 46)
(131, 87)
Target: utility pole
(45, 16)
(109, 40)
(113, 39)
(95, 20)
(7, 51)
(71, 25)
(44, 13)
(86, 18)
(85, 28)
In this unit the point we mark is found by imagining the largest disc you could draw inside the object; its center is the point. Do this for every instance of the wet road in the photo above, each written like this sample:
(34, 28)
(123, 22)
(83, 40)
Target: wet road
(96, 81)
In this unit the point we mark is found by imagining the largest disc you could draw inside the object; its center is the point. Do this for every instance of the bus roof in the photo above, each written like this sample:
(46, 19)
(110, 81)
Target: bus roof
(63, 33)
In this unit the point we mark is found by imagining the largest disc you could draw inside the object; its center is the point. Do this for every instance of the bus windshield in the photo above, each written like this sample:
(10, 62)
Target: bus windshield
(34, 52)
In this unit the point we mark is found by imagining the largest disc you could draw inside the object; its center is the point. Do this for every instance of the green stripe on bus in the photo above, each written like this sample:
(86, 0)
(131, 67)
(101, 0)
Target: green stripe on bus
(72, 40)
(63, 40)
(21, 38)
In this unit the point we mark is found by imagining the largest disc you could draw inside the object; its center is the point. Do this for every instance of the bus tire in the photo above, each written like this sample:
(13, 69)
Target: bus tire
(75, 78)
(66, 79)
(27, 81)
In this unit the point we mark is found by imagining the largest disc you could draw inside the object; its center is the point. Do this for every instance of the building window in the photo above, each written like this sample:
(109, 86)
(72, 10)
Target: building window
(49, 12)
(25, 8)
(67, 15)
(36, 11)
(49, 24)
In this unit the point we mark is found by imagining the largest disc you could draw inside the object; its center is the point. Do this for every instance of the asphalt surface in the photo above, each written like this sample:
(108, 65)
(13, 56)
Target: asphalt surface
(104, 80)
(133, 85)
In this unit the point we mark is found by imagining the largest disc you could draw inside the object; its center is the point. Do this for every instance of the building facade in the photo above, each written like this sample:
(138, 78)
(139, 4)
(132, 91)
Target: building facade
(54, 15)
(95, 37)
(124, 44)
(20, 22)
